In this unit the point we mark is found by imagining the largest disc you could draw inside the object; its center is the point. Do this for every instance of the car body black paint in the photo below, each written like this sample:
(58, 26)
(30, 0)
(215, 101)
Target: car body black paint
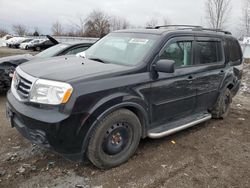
(100, 88)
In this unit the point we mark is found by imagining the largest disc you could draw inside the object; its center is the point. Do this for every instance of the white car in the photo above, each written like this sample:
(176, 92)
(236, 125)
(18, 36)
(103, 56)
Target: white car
(17, 43)
(10, 42)
(35, 41)
(25, 45)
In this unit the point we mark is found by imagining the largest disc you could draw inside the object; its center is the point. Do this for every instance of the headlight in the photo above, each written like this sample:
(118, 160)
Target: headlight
(50, 92)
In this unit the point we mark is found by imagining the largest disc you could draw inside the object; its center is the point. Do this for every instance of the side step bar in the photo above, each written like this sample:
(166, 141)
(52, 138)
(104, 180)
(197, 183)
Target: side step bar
(176, 129)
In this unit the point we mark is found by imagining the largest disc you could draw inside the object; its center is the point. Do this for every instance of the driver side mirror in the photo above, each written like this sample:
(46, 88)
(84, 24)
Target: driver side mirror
(164, 65)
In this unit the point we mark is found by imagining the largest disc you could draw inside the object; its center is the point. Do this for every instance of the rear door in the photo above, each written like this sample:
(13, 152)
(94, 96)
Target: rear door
(209, 63)
(174, 95)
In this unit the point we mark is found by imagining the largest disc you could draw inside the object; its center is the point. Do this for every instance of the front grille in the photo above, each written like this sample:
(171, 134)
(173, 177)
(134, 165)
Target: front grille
(22, 84)
(23, 87)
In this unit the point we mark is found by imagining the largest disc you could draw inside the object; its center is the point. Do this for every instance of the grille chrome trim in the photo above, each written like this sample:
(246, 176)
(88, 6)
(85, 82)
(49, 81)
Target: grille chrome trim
(22, 90)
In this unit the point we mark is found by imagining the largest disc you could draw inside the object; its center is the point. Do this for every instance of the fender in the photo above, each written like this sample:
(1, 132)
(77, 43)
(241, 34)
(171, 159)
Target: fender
(134, 103)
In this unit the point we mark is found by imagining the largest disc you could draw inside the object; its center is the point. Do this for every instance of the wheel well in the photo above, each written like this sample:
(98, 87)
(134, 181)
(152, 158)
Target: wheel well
(141, 117)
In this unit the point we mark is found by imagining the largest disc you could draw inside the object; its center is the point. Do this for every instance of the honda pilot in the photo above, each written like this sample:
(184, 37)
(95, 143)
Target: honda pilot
(130, 85)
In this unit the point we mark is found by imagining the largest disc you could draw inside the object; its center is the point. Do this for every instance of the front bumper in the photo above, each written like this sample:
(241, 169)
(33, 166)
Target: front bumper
(47, 127)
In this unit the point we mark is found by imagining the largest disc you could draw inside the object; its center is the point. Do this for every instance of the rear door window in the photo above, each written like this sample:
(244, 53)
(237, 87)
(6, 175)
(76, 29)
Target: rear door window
(208, 52)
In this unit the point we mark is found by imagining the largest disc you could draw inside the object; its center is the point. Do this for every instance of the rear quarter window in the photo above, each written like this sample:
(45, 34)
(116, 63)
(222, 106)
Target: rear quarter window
(234, 50)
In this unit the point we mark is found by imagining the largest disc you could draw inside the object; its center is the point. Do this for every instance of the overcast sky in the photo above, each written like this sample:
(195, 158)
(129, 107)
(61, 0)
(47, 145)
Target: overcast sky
(42, 13)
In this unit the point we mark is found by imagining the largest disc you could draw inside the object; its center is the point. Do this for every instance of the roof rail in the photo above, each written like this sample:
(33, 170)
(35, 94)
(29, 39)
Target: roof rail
(182, 26)
(192, 27)
(217, 30)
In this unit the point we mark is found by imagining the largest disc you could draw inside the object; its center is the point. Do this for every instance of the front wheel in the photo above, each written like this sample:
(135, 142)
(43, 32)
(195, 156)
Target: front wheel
(38, 48)
(221, 108)
(115, 139)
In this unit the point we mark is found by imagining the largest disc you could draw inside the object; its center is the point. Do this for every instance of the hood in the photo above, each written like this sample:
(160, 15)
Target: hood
(16, 59)
(69, 68)
(54, 41)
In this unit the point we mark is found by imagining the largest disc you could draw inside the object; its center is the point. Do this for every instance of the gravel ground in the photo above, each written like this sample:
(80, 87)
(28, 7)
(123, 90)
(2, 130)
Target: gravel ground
(212, 154)
(5, 51)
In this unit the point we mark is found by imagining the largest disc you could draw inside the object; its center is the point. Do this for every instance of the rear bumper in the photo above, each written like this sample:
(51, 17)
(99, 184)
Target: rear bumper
(47, 127)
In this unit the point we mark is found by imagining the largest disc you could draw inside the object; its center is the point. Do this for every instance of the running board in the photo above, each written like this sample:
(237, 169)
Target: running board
(179, 128)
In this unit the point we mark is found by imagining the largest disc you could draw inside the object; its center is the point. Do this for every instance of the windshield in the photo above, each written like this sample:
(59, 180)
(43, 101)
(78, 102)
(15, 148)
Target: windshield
(52, 51)
(27, 40)
(36, 41)
(122, 48)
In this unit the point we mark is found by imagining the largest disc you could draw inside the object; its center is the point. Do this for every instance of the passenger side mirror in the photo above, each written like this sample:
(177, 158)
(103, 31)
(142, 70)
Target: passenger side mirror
(164, 65)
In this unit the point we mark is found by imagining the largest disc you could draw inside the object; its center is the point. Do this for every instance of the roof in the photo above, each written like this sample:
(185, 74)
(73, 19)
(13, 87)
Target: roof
(77, 42)
(146, 31)
(162, 30)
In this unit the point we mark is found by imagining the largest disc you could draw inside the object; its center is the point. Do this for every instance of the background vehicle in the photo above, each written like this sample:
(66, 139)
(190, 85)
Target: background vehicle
(17, 43)
(25, 45)
(42, 45)
(8, 64)
(131, 84)
(10, 42)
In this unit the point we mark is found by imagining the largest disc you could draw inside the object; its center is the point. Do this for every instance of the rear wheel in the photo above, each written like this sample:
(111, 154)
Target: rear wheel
(222, 106)
(115, 139)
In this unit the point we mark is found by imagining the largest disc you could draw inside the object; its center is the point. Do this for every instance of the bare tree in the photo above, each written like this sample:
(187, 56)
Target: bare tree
(57, 29)
(166, 21)
(97, 24)
(246, 17)
(36, 31)
(118, 23)
(71, 32)
(19, 29)
(152, 23)
(3, 32)
(217, 12)
(77, 27)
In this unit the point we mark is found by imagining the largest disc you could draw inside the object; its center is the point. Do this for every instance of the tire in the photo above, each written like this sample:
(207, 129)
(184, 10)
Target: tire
(114, 139)
(38, 48)
(222, 106)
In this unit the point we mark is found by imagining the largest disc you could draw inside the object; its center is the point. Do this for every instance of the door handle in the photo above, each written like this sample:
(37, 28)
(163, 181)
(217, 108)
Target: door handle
(221, 72)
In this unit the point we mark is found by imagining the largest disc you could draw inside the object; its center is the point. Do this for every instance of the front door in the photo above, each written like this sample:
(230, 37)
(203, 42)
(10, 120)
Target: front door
(174, 95)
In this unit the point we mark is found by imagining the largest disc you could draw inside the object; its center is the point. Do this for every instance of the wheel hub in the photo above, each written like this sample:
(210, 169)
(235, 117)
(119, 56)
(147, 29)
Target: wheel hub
(116, 139)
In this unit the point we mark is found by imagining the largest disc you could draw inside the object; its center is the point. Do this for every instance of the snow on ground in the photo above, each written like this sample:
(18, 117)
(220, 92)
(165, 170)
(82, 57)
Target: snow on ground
(2, 42)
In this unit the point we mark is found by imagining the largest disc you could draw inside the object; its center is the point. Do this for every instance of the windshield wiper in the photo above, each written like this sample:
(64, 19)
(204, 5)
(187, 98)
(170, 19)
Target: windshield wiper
(97, 59)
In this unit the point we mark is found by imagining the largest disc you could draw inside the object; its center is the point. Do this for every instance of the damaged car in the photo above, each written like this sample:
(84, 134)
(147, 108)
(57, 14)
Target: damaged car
(130, 85)
(8, 64)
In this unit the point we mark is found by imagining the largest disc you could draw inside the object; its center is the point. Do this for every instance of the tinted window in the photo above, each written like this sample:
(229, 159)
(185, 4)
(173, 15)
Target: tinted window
(234, 50)
(180, 52)
(52, 51)
(77, 50)
(209, 52)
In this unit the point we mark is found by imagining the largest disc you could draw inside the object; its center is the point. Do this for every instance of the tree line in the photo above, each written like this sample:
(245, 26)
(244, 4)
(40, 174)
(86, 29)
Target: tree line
(98, 23)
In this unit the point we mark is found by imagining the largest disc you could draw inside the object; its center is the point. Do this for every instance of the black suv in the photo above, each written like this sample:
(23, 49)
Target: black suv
(131, 84)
